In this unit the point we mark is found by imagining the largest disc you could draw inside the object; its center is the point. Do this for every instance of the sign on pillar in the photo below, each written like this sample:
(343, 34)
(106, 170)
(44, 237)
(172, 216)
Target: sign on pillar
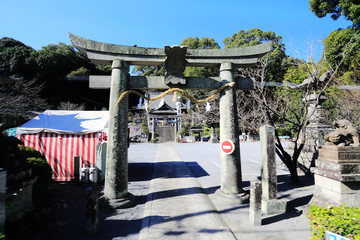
(227, 147)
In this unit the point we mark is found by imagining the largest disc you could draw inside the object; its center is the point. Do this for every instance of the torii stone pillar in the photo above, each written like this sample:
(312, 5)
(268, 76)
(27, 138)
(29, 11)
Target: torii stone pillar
(231, 179)
(116, 178)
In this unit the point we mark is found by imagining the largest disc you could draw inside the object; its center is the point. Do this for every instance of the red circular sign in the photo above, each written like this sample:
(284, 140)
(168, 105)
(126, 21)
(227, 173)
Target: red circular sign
(227, 147)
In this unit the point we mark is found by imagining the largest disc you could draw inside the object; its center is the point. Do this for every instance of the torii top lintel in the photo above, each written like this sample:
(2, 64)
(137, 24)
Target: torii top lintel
(105, 53)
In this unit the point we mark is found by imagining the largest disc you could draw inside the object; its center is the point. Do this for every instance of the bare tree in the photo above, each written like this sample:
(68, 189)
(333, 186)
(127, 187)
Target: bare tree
(346, 105)
(71, 106)
(19, 101)
(284, 106)
(256, 107)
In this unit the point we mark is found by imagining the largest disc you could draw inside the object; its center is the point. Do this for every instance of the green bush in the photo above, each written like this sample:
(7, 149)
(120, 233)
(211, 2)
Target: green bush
(30, 152)
(10, 157)
(38, 164)
(40, 168)
(340, 220)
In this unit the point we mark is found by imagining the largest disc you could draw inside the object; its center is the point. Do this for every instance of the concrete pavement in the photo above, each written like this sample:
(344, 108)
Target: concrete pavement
(175, 187)
(179, 207)
(176, 207)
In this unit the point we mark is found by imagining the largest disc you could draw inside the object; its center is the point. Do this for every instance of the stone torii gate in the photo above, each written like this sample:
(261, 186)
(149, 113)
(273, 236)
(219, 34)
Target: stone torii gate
(175, 60)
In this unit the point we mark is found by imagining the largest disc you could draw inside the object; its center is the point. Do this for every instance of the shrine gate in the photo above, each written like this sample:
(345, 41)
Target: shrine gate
(175, 59)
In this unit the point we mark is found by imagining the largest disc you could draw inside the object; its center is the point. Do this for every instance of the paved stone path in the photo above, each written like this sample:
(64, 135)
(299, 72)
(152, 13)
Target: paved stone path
(177, 206)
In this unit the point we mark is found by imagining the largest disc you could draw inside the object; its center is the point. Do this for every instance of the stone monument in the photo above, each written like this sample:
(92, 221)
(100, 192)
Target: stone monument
(315, 131)
(255, 203)
(317, 128)
(337, 172)
(270, 204)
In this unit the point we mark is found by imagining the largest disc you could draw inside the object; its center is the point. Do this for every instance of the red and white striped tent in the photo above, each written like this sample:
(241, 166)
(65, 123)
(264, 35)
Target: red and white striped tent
(62, 135)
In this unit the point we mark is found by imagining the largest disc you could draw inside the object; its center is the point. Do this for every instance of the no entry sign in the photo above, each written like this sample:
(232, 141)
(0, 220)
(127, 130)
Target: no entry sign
(227, 147)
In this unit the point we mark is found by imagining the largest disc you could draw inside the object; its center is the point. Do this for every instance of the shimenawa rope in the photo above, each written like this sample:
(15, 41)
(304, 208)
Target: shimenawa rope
(185, 94)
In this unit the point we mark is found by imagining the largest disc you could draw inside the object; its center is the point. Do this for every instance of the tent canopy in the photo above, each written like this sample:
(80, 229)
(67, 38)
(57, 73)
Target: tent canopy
(66, 122)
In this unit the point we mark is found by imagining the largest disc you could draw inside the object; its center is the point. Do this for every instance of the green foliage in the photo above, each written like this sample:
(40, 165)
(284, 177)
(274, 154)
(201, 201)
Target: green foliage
(293, 98)
(195, 43)
(350, 9)
(337, 43)
(30, 152)
(191, 43)
(207, 130)
(17, 58)
(255, 36)
(282, 131)
(2, 236)
(15, 162)
(144, 128)
(79, 72)
(204, 43)
(295, 74)
(103, 69)
(40, 168)
(59, 60)
(149, 71)
(185, 128)
(293, 109)
(37, 162)
(50, 66)
(342, 220)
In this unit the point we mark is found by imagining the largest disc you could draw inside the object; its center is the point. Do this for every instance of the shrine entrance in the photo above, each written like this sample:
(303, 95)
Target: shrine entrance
(175, 59)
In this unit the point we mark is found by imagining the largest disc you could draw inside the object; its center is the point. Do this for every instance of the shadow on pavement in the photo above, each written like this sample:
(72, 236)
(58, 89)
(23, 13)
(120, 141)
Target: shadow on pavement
(196, 169)
(182, 192)
(144, 171)
(284, 182)
(140, 171)
(291, 210)
(281, 217)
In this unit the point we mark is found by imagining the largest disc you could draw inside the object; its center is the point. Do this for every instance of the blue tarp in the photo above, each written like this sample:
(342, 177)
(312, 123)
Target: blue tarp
(11, 132)
(65, 122)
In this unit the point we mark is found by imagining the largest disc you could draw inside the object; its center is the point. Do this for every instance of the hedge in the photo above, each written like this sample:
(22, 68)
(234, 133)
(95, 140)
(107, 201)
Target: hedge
(342, 220)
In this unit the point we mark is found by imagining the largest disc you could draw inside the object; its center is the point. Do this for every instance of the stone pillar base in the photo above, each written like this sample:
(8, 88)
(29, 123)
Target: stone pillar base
(234, 198)
(255, 203)
(124, 202)
(334, 192)
(273, 206)
(337, 176)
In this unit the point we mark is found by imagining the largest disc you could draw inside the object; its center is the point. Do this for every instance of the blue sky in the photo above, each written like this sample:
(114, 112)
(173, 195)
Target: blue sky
(156, 23)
